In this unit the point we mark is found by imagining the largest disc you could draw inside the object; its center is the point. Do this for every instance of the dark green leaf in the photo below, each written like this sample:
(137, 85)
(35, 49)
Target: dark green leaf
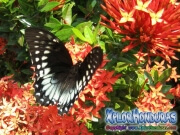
(156, 76)
(165, 75)
(26, 71)
(169, 96)
(165, 88)
(148, 76)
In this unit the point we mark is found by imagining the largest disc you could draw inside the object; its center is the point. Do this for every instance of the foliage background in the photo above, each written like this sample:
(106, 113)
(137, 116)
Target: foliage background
(81, 19)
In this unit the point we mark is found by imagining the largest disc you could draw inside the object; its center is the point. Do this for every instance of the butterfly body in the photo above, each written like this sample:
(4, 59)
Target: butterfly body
(57, 80)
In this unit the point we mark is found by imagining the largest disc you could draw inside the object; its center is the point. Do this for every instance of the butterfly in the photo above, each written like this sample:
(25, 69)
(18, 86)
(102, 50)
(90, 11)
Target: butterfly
(57, 80)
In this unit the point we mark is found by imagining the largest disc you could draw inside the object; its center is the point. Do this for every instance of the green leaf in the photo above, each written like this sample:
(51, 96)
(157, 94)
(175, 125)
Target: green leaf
(121, 66)
(117, 106)
(128, 60)
(95, 33)
(79, 34)
(81, 26)
(165, 88)
(88, 34)
(24, 4)
(93, 3)
(169, 96)
(21, 40)
(53, 23)
(4, 1)
(21, 55)
(26, 71)
(64, 34)
(42, 2)
(156, 76)
(49, 6)
(109, 32)
(67, 13)
(165, 75)
(102, 45)
(83, 9)
(54, 20)
(148, 76)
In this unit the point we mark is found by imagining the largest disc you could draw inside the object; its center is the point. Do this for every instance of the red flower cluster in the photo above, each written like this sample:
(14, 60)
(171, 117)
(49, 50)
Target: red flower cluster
(46, 121)
(18, 116)
(13, 107)
(2, 45)
(92, 97)
(154, 100)
(151, 25)
(21, 115)
(9, 88)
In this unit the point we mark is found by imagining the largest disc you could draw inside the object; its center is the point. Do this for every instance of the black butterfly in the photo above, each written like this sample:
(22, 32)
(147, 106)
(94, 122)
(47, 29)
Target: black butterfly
(57, 80)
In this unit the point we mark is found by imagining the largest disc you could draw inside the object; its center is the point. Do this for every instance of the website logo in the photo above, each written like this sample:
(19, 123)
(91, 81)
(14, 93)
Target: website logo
(136, 120)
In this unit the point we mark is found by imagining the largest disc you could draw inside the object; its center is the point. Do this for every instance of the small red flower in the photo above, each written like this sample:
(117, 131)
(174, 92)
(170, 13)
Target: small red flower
(175, 91)
(9, 88)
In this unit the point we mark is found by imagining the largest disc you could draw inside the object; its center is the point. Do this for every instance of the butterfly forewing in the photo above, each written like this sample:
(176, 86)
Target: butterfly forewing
(46, 50)
(57, 80)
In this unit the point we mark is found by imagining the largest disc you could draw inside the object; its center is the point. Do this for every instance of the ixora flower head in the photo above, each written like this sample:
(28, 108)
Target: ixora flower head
(20, 115)
(154, 100)
(153, 26)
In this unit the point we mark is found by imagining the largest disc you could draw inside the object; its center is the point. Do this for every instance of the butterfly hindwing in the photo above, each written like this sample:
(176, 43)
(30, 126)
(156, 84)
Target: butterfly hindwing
(57, 80)
(85, 71)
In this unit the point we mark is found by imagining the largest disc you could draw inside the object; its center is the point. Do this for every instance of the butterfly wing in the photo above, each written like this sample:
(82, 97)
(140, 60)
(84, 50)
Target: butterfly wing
(57, 80)
(88, 67)
(84, 72)
(52, 63)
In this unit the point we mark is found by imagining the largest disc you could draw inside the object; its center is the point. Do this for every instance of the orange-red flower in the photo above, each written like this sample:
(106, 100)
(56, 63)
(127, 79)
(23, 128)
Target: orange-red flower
(14, 104)
(3, 43)
(151, 25)
(9, 88)
(175, 91)
(19, 115)
(160, 67)
(95, 92)
(153, 101)
(45, 120)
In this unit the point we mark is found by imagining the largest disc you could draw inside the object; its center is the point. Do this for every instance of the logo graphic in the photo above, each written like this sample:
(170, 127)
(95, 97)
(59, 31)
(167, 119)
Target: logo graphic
(136, 120)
